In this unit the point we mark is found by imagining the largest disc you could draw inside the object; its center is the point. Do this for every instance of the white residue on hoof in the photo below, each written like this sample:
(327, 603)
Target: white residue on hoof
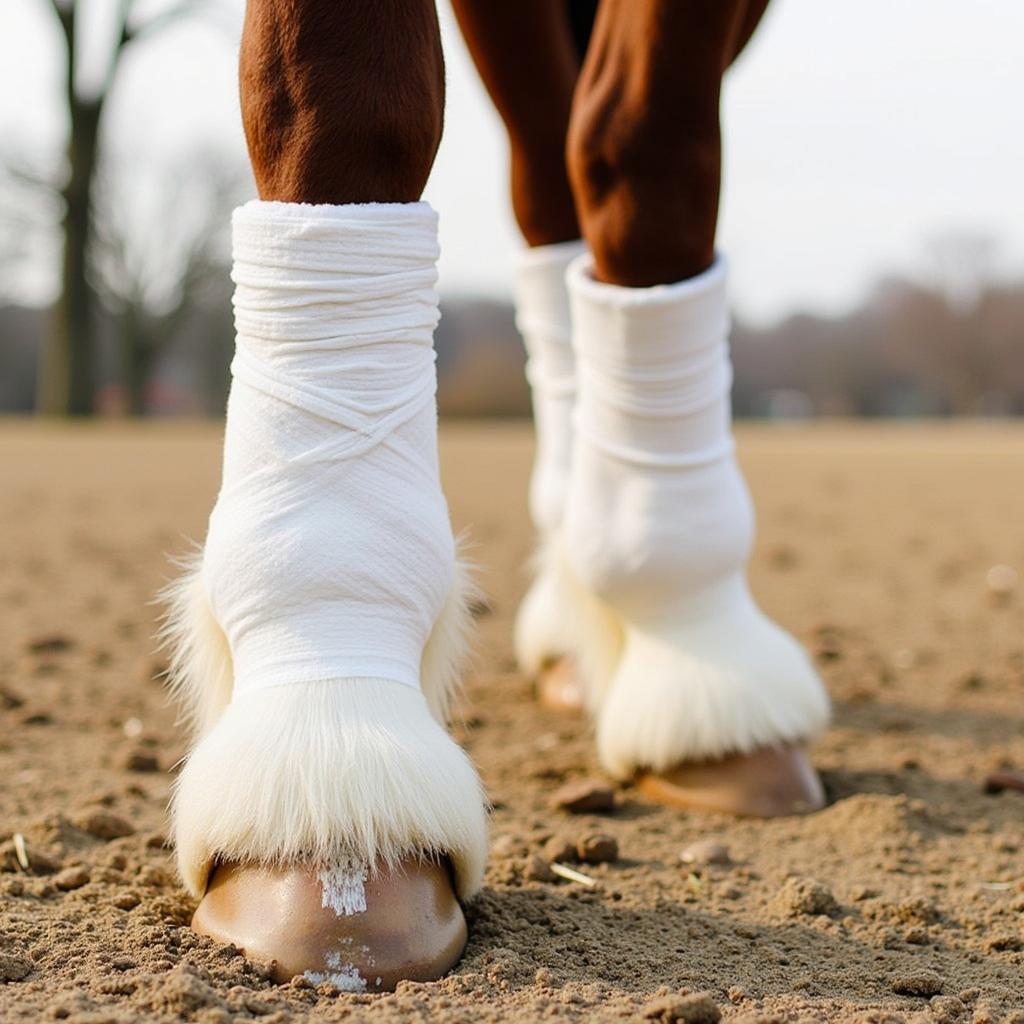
(343, 888)
(344, 977)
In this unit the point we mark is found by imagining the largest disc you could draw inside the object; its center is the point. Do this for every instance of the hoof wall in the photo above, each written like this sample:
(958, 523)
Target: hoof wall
(769, 783)
(559, 687)
(360, 934)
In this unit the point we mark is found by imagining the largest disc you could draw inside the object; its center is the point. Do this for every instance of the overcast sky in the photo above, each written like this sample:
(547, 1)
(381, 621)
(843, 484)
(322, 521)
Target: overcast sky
(855, 133)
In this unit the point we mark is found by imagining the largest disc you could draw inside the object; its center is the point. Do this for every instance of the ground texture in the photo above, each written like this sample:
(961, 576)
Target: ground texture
(902, 901)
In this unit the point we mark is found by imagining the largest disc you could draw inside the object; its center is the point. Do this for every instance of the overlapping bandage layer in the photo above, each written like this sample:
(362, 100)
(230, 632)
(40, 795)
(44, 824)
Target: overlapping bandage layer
(329, 553)
(543, 319)
(657, 531)
(542, 631)
(318, 641)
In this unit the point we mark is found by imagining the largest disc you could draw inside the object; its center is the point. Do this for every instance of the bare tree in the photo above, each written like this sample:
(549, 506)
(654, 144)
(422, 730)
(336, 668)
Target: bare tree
(159, 254)
(67, 364)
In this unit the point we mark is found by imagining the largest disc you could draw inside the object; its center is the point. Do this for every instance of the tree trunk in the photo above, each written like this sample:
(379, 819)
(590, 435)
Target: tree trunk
(136, 359)
(67, 371)
(66, 381)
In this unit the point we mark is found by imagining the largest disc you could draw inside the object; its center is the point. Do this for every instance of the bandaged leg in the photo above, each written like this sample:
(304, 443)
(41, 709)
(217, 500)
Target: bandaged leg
(320, 635)
(543, 632)
(657, 531)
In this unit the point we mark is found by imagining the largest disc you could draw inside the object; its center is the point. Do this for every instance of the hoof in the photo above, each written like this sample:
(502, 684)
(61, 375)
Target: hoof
(360, 934)
(559, 687)
(769, 783)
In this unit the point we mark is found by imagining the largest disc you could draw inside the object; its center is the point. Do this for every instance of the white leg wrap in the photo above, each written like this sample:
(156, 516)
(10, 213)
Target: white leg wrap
(542, 316)
(658, 528)
(328, 603)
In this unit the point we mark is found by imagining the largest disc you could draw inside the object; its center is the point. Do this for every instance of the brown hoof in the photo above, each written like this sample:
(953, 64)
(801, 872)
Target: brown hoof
(331, 926)
(559, 687)
(769, 783)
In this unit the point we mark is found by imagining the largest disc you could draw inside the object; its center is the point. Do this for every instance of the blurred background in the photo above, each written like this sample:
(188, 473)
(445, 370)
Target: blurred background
(872, 212)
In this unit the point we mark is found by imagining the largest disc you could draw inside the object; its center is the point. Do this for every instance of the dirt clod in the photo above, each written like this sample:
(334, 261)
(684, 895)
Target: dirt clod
(54, 644)
(14, 968)
(141, 761)
(103, 824)
(806, 897)
(71, 878)
(694, 1008)
(921, 982)
(560, 848)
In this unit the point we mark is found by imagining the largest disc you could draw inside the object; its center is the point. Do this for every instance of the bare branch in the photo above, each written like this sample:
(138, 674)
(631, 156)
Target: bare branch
(174, 13)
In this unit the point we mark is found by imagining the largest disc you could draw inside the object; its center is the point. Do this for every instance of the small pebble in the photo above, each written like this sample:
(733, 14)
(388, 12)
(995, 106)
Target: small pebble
(917, 983)
(704, 852)
(597, 848)
(1001, 581)
(126, 901)
(584, 797)
(71, 878)
(537, 869)
(132, 728)
(50, 644)
(997, 782)
(559, 848)
(103, 824)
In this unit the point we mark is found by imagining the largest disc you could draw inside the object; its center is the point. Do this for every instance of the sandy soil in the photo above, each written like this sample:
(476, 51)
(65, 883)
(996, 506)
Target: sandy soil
(903, 901)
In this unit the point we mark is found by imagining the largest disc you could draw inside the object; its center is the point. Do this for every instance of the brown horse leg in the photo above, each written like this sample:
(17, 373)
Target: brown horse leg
(525, 54)
(342, 103)
(644, 156)
(644, 140)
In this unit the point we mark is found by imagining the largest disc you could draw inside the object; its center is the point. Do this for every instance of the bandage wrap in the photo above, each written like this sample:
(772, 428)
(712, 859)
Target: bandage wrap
(657, 531)
(542, 316)
(319, 642)
(329, 553)
(543, 629)
(659, 512)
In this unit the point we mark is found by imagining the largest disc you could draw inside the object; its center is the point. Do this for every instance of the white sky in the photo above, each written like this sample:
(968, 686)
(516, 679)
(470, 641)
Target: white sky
(855, 132)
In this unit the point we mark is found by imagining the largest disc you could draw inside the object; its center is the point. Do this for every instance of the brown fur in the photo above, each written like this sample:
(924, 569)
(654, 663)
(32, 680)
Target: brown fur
(342, 102)
(526, 57)
(639, 173)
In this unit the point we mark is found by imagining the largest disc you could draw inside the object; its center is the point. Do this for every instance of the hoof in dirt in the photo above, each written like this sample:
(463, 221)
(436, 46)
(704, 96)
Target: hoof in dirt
(768, 783)
(359, 931)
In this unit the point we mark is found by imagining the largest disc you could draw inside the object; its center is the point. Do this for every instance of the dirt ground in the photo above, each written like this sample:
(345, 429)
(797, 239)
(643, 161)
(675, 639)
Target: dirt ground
(902, 901)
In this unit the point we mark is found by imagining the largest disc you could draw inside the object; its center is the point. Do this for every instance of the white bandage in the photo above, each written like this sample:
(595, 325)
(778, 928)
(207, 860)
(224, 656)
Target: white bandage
(658, 528)
(318, 641)
(329, 552)
(542, 316)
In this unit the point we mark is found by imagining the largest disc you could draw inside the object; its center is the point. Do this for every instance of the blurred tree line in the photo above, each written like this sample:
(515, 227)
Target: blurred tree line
(143, 322)
(909, 350)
